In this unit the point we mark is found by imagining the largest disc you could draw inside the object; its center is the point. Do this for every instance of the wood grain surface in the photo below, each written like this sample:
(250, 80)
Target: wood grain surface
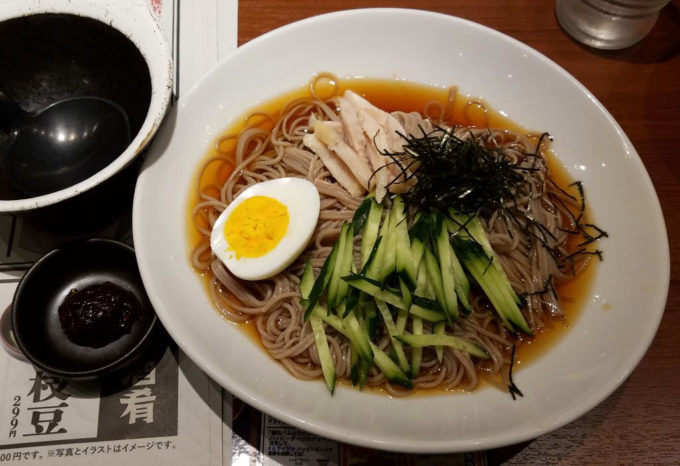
(640, 86)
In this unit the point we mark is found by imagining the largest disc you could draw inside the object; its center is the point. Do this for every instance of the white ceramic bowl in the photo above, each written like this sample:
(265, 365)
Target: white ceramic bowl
(134, 20)
(601, 349)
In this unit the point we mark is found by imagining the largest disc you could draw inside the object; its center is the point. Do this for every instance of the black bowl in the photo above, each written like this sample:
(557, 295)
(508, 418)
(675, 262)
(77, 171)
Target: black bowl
(35, 310)
(48, 57)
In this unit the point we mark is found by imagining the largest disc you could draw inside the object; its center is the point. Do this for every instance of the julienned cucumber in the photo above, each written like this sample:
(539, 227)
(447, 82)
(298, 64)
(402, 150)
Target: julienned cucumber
(321, 281)
(494, 284)
(406, 268)
(470, 242)
(390, 368)
(392, 331)
(372, 288)
(327, 366)
(320, 341)
(337, 290)
(307, 281)
(369, 233)
(459, 344)
(409, 275)
(446, 257)
(470, 227)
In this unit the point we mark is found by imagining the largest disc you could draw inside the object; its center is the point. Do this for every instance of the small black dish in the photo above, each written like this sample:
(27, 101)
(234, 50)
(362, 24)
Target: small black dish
(35, 310)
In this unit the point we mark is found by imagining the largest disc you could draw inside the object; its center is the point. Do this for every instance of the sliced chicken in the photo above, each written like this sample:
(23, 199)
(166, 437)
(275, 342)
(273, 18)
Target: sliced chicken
(333, 136)
(335, 165)
(352, 127)
(354, 149)
(413, 123)
(383, 132)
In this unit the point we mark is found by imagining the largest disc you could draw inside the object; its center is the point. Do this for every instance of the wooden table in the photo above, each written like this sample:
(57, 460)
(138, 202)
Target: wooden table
(640, 86)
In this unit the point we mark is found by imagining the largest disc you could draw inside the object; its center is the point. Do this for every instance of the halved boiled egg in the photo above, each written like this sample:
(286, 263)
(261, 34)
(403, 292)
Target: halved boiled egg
(266, 227)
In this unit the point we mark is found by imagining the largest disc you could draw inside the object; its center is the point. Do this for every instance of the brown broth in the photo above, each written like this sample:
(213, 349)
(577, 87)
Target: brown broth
(392, 95)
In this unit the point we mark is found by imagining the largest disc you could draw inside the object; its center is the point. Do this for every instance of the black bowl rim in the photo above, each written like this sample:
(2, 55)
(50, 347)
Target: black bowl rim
(92, 373)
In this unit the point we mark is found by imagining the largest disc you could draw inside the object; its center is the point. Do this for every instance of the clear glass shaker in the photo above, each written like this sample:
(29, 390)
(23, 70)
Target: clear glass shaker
(608, 24)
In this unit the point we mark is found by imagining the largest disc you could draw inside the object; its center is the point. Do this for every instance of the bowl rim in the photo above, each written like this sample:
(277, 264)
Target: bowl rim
(135, 21)
(24, 285)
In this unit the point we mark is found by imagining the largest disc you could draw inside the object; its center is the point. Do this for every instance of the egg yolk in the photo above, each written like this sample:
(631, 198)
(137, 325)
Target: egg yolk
(256, 226)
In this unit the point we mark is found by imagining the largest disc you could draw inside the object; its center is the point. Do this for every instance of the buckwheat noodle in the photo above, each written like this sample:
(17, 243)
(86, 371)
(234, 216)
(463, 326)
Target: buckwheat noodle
(273, 304)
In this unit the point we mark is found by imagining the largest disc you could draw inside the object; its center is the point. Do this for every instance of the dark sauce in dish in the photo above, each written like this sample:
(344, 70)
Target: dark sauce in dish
(98, 314)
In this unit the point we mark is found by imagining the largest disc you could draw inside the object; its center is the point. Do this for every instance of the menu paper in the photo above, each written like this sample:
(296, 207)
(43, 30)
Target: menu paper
(165, 414)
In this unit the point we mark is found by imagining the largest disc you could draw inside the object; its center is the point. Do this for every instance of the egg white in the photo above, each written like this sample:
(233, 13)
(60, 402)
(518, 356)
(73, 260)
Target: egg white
(301, 198)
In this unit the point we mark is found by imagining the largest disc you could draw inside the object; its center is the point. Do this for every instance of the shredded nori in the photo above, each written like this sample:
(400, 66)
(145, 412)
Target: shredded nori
(475, 176)
(512, 388)
(456, 173)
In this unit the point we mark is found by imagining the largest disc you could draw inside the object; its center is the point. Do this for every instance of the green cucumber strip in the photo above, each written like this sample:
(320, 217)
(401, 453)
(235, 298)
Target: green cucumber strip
(425, 307)
(499, 281)
(373, 268)
(331, 319)
(445, 251)
(352, 301)
(368, 286)
(515, 316)
(332, 293)
(477, 264)
(468, 226)
(462, 284)
(333, 298)
(358, 337)
(340, 311)
(370, 319)
(372, 255)
(354, 360)
(364, 367)
(456, 343)
(439, 329)
(464, 224)
(422, 287)
(428, 303)
(417, 252)
(327, 366)
(494, 284)
(392, 332)
(307, 281)
(387, 317)
(390, 368)
(416, 353)
(420, 231)
(322, 280)
(402, 318)
(435, 279)
(426, 314)
(353, 295)
(389, 255)
(361, 214)
(369, 234)
(404, 261)
(405, 292)
(359, 370)
(345, 265)
(384, 263)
